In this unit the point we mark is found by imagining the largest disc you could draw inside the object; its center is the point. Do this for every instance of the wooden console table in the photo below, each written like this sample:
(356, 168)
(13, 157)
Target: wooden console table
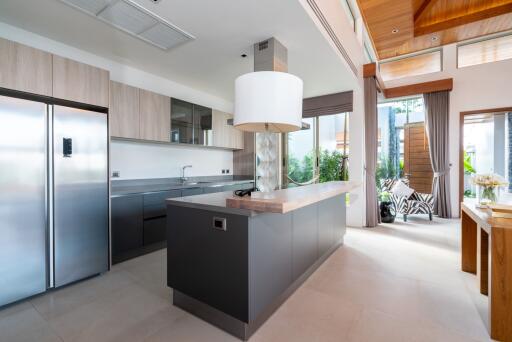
(487, 252)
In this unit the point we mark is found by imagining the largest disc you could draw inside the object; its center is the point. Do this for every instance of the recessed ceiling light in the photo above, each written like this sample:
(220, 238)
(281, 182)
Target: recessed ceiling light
(395, 30)
(434, 38)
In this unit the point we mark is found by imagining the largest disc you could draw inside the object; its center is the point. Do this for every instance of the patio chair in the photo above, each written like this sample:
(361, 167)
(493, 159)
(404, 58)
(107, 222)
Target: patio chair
(417, 203)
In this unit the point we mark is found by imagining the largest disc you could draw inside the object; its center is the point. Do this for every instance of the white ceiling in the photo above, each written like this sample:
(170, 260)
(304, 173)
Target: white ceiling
(224, 29)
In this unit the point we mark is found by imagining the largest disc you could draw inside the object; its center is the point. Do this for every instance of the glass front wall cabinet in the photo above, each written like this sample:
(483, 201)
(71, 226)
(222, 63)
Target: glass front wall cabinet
(190, 123)
(182, 121)
(202, 118)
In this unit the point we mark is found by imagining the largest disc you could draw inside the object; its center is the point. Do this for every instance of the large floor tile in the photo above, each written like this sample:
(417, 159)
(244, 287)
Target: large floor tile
(22, 323)
(109, 317)
(310, 315)
(376, 326)
(190, 329)
(69, 298)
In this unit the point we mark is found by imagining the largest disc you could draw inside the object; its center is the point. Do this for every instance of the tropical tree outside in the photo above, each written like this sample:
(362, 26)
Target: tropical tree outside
(330, 167)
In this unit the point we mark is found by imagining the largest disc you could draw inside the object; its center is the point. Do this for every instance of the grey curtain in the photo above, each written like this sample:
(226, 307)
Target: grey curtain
(370, 138)
(437, 126)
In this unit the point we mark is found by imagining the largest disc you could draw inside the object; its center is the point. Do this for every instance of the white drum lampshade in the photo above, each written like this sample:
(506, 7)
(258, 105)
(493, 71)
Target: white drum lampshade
(268, 101)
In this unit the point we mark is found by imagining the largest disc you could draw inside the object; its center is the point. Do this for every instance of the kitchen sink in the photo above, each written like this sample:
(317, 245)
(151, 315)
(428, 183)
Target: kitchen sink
(195, 183)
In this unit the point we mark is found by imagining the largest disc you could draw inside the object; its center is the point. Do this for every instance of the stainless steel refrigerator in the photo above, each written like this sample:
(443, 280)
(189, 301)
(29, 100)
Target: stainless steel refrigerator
(53, 196)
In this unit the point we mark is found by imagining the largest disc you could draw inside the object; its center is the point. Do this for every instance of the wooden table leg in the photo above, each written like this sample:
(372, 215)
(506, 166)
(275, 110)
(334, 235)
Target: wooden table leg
(500, 297)
(482, 272)
(469, 243)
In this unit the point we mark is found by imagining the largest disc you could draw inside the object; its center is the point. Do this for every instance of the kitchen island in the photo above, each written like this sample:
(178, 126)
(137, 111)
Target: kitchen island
(233, 261)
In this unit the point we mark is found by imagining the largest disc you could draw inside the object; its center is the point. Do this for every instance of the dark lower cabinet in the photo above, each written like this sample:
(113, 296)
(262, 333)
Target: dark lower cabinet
(191, 192)
(154, 230)
(127, 226)
(139, 221)
(212, 189)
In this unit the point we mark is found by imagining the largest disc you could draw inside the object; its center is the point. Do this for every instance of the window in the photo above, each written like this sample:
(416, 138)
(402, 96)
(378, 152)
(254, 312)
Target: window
(486, 51)
(319, 153)
(393, 118)
(333, 146)
(301, 153)
(411, 66)
(367, 55)
(350, 13)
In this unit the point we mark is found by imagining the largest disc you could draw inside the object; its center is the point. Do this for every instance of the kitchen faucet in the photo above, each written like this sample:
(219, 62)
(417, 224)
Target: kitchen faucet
(183, 178)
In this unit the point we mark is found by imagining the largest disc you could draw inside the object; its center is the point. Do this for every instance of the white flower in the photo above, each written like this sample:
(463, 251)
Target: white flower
(489, 180)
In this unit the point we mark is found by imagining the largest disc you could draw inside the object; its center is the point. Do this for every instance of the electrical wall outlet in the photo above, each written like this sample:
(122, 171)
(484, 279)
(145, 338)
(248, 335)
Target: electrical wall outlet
(223, 171)
(227, 170)
(116, 174)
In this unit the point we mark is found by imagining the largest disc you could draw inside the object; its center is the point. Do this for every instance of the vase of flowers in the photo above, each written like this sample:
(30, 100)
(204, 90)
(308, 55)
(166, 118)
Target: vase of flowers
(488, 188)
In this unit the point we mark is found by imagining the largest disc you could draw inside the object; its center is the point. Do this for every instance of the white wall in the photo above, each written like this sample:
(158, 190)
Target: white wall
(142, 160)
(146, 160)
(477, 87)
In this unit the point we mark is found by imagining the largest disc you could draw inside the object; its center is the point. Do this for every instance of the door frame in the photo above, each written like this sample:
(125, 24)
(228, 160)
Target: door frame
(461, 142)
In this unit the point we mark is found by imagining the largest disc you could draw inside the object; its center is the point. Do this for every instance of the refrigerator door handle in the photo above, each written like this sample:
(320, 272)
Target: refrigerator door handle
(49, 200)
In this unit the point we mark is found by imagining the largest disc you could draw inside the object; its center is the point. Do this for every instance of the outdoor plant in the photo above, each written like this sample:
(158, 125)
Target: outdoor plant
(384, 196)
(301, 171)
(330, 166)
(333, 167)
(468, 168)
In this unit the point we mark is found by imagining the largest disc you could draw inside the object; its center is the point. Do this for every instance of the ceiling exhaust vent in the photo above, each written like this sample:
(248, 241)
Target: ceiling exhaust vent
(132, 18)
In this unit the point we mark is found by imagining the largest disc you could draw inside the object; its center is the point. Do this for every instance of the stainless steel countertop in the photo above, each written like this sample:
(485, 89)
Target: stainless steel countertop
(153, 185)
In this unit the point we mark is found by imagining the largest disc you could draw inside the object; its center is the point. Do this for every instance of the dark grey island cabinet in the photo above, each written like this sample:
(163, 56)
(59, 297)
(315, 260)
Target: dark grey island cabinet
(234, 267)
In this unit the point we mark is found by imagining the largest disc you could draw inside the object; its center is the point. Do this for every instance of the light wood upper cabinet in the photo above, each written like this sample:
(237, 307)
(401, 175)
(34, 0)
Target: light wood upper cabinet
(155, 116)
(25, 69)
(225, 135)
(80, 82)
(124, 111)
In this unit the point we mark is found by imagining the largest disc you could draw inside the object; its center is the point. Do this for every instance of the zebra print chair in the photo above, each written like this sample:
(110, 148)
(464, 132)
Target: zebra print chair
(417, 203)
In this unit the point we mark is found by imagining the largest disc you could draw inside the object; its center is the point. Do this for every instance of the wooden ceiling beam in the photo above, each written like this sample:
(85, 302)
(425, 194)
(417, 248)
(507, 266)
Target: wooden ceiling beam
(423, 8)
(419, 88)
(462, 20)
(370, 70)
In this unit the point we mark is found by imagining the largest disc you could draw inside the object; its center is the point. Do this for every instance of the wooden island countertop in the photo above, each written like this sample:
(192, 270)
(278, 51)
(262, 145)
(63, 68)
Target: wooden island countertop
(286, 200)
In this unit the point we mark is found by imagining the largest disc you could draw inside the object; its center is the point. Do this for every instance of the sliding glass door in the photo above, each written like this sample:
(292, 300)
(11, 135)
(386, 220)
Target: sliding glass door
(300, 155)
(318, 153)
(333, 147)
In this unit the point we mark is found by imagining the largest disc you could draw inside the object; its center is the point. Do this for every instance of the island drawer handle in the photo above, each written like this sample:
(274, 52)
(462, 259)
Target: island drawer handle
(219, 223)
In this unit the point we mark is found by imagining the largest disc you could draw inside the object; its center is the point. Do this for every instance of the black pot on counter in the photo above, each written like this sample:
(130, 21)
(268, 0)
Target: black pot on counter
(387, 212)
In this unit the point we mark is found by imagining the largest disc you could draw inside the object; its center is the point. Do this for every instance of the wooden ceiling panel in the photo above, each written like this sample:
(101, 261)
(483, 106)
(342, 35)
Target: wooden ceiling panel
(446, 10)
(418, 21)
